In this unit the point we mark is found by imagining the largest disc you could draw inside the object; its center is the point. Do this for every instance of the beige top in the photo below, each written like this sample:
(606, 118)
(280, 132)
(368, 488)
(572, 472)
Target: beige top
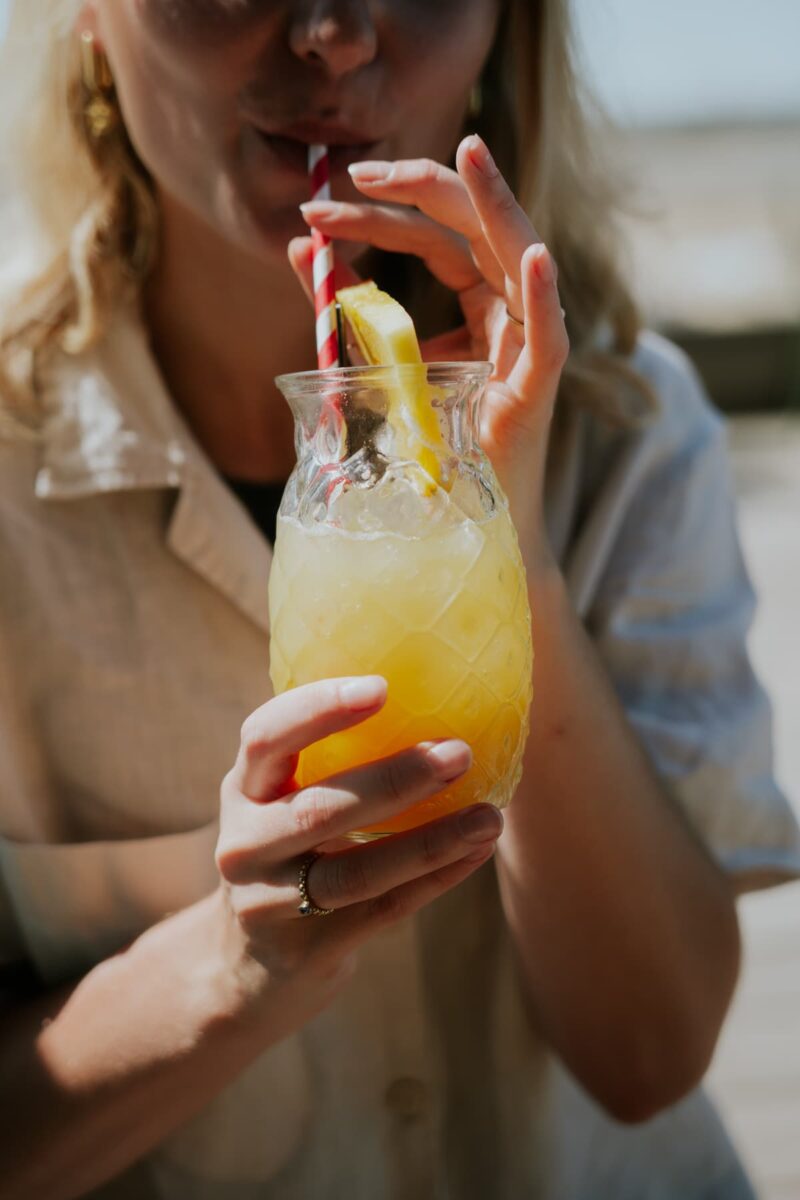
(133, 641)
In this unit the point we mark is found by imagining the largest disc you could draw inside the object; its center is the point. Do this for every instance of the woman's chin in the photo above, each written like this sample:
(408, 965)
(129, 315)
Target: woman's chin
(265, 234)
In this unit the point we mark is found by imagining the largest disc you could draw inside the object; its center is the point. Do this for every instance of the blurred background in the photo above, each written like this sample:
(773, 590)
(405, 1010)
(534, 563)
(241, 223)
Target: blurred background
(707, 98)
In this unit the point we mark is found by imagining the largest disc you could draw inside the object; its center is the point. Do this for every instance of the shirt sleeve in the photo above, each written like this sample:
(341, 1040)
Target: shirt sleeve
(670, 619)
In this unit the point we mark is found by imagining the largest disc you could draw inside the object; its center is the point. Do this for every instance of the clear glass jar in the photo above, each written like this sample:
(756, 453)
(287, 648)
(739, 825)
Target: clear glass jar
(385, 567)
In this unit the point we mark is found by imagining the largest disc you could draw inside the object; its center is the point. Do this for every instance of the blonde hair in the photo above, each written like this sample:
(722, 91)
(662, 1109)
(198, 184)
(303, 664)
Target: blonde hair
(89, 212)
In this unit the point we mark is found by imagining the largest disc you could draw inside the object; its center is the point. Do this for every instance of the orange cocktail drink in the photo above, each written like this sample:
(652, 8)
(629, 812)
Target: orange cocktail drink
(396, 555)
(442, 615)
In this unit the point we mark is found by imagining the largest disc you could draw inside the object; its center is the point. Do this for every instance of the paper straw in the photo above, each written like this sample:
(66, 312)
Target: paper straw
(324, 284)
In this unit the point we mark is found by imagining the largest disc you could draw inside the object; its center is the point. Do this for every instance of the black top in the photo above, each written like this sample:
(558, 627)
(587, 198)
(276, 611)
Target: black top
(262, 501)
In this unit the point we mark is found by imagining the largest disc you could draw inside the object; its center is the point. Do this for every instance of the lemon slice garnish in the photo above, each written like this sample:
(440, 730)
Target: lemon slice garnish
(386, 337)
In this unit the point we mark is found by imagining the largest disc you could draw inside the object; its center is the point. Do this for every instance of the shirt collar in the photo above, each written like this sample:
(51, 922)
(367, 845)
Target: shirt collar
(111, 426)
(109, 423)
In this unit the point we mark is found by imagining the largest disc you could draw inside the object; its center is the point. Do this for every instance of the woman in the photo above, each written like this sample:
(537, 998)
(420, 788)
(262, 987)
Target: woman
(478, 1016)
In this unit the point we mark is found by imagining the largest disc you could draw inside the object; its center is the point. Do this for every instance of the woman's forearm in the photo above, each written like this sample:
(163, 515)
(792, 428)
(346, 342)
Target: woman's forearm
(626, 931)
(94, 1077)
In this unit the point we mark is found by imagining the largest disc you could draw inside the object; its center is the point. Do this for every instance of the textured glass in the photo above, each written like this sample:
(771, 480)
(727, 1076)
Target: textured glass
(379, 570)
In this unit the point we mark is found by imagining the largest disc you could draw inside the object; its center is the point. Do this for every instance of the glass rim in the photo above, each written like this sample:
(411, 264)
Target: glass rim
(331, 376)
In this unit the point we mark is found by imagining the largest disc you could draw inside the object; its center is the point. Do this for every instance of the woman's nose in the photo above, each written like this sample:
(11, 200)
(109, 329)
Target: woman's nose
(338, 35)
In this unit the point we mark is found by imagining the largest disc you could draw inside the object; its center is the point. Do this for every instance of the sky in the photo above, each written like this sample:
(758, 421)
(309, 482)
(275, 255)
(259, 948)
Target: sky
(693, 60)
(687, 60)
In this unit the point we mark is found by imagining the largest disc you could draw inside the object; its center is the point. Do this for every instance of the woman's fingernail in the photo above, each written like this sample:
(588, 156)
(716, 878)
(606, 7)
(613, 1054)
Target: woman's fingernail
(480, 157)
(319, 209)
(370, 172)
(363, 692)
(480, 824)
(449, 759)
(544, 265)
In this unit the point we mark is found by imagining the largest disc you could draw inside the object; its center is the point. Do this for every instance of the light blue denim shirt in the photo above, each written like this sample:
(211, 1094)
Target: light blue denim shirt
(134, 640)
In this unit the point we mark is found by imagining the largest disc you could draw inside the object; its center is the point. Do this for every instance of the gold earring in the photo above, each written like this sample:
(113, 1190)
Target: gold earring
(475, 107)
(100, 111)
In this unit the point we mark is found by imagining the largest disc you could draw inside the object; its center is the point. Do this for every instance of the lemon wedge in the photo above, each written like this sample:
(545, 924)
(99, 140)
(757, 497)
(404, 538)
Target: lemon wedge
(386, 337)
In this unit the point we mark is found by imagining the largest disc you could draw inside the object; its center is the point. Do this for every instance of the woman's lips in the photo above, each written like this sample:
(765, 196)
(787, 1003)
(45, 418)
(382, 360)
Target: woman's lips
(293, 153)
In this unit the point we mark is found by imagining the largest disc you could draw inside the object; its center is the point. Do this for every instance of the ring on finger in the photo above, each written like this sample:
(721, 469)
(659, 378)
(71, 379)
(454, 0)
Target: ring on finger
(517, 321)
(307, 907)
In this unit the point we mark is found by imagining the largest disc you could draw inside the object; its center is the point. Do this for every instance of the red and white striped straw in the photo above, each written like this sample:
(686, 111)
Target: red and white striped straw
(324, 285)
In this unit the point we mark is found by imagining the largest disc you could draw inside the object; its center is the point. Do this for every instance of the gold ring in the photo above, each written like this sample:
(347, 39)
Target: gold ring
(517, 321)
(307, 907)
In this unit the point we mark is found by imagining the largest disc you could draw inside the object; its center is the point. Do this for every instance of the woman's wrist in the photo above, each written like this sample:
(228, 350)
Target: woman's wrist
(538, 557)
(241, 993)
(526, 506)
(222, 983)
(238, 983)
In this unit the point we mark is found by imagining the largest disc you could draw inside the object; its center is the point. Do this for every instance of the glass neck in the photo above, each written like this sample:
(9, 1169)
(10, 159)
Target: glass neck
(371, 410)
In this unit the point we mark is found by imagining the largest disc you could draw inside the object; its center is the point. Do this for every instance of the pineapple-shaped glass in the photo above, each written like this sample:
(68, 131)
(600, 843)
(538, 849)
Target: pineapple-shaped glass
(395, 555)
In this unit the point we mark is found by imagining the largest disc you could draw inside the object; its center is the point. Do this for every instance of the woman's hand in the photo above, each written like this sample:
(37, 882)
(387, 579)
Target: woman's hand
(473, 236)
(269, 827)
